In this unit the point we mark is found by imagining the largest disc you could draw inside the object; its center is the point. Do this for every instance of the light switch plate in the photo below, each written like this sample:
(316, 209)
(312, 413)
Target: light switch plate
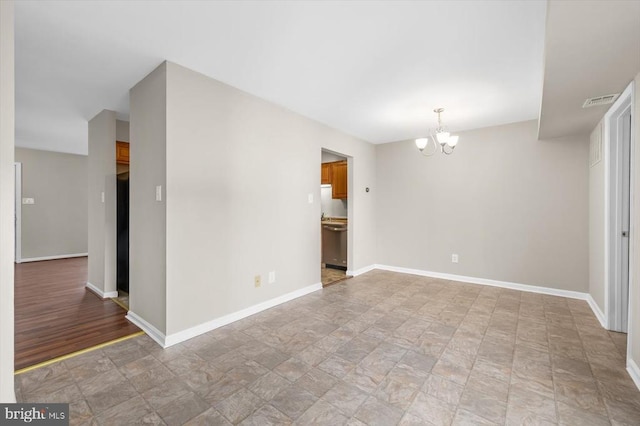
(102, 196)
(310, 198)
(159, 193)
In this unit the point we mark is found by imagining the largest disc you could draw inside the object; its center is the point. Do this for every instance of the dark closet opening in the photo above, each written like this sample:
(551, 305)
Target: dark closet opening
(122, 227)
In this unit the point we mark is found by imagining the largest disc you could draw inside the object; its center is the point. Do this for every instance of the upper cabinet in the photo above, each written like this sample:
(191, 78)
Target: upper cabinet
(335, 174)
(122, 152)
(326, 174)
(339, 179)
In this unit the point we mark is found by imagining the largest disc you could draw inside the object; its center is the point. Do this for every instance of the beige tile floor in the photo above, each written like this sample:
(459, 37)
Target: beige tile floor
(379, 349)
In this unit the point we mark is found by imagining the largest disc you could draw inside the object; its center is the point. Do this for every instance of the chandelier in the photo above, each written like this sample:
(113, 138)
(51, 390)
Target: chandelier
(441, 137)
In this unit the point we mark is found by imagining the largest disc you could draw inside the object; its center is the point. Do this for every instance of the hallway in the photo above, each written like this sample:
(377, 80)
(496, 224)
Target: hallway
(55, 315)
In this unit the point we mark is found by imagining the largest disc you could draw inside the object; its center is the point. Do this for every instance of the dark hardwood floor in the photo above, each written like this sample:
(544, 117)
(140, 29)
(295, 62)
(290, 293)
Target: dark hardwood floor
(55, 315)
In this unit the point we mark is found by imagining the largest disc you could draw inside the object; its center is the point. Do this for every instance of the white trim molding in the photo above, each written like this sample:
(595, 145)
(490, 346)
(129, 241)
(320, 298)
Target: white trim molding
(18, 212)
(505, 284)
(361, 270)
(493, 283)
(612, 205)
(100, 293)
(58, 256)
(197, 330)
(597, 311)
(145, 326)
(483, 281)
(175, 338)
(634, 371)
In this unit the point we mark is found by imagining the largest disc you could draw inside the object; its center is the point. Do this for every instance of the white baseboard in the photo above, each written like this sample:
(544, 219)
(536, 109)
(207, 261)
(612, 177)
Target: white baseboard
(484, 281)
(597, 311)
(175, 338)
(189, 333)
(634, 371)
(151, 331)
(361, 270)
(58, 256)
(100, 293)
(495, 283)
(505, 284)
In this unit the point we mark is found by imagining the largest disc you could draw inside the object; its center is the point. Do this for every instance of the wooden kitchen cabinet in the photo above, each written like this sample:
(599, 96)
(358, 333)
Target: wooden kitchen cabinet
(122, 152)
(339, 179)
(326, 174)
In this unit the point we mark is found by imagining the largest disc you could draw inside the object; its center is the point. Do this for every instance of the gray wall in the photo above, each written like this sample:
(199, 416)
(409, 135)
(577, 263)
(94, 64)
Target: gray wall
(596, 227)
(7, 126)
(227, 205)
(102, 216)
(513, 208)
(332, 207)
(238, 171)
(122, 131)
(57, 223)
(147, 217)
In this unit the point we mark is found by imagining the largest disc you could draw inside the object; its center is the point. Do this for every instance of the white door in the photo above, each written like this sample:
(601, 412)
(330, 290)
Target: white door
(624, 126)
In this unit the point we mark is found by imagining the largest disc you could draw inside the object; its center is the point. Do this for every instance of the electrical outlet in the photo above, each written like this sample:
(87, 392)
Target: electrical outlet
(272, 277)
(256, 281)
(454, 258)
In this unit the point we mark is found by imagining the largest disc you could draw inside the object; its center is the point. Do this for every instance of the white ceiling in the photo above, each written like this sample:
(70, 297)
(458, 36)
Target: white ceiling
(375, 70)
(592, 49)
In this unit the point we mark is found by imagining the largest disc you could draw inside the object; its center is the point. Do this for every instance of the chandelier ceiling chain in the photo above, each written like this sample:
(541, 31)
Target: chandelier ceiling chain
(441, 137)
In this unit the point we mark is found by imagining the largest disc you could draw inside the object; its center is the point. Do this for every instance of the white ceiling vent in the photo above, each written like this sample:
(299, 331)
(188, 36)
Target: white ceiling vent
(600, 100)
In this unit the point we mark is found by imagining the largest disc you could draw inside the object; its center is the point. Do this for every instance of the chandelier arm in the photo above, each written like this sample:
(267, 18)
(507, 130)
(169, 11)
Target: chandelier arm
(443, 146)
(426, 148)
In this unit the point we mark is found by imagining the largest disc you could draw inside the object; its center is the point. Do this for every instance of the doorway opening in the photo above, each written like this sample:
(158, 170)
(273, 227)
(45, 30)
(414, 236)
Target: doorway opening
(334, 218)
(122, 224)
(620, 150)
(122, 242)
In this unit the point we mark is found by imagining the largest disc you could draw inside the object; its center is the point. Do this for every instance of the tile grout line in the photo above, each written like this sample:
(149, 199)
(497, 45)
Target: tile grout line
(598, 385)
(553, 380)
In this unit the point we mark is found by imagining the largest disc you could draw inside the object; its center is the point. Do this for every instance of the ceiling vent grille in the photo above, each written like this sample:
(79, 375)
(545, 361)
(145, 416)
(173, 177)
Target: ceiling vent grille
(600, 100)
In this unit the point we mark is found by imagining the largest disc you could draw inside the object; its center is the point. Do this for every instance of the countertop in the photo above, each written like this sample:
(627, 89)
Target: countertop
(333, 221)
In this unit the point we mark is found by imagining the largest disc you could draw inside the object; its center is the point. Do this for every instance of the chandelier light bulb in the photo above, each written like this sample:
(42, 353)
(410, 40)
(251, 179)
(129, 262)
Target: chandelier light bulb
(443, 137)
(421, 143)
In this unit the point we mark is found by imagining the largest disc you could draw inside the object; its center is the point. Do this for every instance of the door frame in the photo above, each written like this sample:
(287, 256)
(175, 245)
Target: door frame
(614, 297)
(17, 168)
(350, 196)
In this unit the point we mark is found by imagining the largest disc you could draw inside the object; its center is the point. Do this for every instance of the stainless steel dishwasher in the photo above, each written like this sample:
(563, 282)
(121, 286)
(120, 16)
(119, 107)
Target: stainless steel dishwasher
(334, 245)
